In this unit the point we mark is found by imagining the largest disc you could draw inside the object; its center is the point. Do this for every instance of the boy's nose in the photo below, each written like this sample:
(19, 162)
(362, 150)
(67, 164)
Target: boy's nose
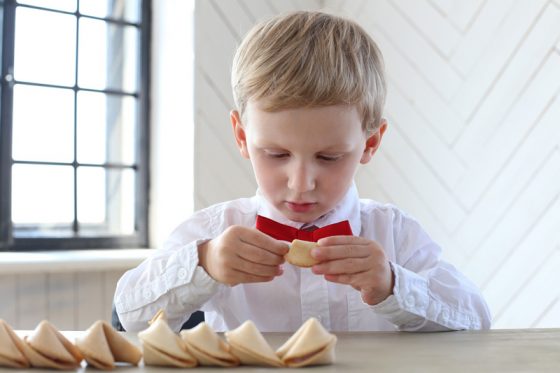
(301, 179)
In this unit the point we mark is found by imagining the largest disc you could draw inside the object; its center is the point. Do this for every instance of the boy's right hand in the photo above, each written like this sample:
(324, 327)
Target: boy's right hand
(241, 255)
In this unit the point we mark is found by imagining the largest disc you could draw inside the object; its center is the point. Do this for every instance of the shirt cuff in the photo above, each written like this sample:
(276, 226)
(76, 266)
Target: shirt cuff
(411, 307)
(406, 306)
(180, 269)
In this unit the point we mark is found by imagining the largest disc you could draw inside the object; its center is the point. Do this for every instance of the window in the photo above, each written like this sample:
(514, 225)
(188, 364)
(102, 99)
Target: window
(74, 124)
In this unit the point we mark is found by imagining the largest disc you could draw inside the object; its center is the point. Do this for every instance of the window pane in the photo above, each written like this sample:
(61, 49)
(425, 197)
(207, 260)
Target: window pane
(1, 50)
(45, 47)
(106, 128)
(43, 124)
(105, 200)
(127, 10)
(108, 56)
(66, 5)
(42, 194)
(1, 26)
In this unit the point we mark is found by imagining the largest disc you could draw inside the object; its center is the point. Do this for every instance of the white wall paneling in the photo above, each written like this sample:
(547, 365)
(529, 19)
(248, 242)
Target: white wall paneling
(473, 146)
(61, 300)
(31, 299)
(89, 298)
(8, 294)
(71, 301)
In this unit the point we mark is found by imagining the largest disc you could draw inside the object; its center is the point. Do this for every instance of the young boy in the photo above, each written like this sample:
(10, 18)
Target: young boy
(309, 90)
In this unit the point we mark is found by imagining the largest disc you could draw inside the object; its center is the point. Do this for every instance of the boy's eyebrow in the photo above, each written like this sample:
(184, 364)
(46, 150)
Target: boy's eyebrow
(334, 148)
(268, 144)
(339, 147)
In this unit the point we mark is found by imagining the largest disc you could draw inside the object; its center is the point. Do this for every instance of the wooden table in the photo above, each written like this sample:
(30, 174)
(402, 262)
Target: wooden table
(526, 350)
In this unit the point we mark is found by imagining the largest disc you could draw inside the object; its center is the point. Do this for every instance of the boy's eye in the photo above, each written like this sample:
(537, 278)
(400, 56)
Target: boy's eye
(277, 155)
(329, 158)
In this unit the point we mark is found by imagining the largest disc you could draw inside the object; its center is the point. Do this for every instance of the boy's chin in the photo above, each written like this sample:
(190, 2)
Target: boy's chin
(301, 217)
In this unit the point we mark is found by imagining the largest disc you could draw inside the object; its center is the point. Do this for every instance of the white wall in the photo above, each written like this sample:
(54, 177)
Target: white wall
(473, 145)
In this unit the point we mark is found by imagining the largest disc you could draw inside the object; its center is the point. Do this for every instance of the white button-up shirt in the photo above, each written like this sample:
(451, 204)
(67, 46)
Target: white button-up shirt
(429, 294)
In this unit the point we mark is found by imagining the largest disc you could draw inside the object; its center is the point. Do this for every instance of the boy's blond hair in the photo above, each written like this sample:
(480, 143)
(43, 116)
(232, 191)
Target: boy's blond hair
(310, 59)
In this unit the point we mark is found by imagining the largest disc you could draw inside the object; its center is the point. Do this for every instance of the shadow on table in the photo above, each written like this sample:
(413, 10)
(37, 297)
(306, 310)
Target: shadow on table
(196, 318)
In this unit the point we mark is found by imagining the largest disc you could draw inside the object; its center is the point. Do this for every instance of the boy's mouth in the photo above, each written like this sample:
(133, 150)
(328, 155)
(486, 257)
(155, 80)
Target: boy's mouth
(300, 206)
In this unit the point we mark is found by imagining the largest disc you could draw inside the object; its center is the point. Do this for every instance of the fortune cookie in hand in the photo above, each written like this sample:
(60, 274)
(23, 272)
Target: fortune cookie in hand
(46, 347)
(249, 345)
(207, 346)
(102, 346)
(300, 253)
(11, 348)
(311, 344)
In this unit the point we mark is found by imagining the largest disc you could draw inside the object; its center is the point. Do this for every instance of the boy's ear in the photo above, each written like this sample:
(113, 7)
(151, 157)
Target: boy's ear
(239, 133)
(373, 142)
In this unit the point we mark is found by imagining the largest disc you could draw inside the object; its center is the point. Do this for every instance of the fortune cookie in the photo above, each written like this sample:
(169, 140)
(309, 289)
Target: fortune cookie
(163, 347)
(311, 344)
(102, 345)
(46, 347)
(249, 345)
(11, 348)
(300, 253)
(207, 346)
(159, 315)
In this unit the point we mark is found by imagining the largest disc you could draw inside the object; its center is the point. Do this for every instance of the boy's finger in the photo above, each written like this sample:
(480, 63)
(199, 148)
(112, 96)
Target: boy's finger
(340, 279)
(338, 267)
(258, 255)
(259, 239)
(342, 240)
(256, 268)
(324, 253)
(253, 279)
(244, 278)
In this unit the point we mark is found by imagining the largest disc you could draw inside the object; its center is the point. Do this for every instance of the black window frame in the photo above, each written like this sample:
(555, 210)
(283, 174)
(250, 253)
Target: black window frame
(76, 241)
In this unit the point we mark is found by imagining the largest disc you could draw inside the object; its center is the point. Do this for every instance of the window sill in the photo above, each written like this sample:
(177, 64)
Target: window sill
(71, 261)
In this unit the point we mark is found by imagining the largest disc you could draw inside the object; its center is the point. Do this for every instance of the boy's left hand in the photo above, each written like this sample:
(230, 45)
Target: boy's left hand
(355, 261)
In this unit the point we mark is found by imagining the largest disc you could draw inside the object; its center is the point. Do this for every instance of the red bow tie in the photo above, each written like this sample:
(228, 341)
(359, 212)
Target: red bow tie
(287, 233)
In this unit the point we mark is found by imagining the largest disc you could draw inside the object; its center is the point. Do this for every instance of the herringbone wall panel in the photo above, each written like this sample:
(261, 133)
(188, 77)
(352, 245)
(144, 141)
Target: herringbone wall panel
(473, 145)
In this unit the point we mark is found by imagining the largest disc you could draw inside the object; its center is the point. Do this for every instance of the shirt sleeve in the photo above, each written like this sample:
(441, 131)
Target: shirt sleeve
(170, 279)
(429, 293)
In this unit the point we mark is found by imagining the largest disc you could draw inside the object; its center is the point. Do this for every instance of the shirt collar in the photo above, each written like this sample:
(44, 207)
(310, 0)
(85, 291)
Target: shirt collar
(347, 209)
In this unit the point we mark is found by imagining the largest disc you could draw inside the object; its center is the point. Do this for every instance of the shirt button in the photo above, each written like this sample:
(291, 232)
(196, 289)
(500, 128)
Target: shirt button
(410, 301)
(182, 273)
(445, 315)
(432, 309)
(147, 293)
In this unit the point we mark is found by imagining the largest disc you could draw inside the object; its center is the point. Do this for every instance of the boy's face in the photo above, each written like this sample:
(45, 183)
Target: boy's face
(304, 159)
